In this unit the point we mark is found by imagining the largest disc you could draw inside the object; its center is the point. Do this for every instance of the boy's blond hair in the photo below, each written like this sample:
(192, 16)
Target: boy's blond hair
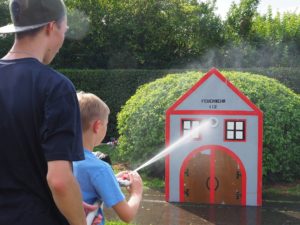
(91, 108)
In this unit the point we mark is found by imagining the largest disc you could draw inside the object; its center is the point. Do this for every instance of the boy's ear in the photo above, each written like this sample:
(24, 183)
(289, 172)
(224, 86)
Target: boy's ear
(96, 126)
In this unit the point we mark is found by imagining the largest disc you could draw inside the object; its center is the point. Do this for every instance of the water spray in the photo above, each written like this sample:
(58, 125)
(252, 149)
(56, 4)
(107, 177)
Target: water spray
(213, 122)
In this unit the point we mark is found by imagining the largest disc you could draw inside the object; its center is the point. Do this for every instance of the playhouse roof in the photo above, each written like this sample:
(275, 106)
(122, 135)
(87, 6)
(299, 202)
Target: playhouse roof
(213, 94)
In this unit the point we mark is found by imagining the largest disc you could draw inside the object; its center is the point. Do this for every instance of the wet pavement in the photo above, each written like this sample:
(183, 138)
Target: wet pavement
(155, 211)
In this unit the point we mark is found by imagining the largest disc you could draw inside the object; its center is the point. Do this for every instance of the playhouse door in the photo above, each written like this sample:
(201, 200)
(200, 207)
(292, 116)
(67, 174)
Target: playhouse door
(195, 186)
(228, 176)
(212, 176)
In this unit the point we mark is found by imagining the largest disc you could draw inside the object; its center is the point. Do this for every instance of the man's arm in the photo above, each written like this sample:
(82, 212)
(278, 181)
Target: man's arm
(66, 192)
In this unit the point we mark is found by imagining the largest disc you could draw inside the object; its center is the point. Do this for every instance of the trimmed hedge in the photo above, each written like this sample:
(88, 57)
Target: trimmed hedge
(115, 87)
(288, 76)
(141, 121)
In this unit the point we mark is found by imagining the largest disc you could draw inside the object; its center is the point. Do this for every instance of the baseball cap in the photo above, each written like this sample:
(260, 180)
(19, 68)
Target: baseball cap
(31, 14)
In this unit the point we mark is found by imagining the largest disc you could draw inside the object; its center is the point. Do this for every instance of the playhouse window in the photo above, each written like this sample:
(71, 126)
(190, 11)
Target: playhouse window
(235, 130)
(188, 126)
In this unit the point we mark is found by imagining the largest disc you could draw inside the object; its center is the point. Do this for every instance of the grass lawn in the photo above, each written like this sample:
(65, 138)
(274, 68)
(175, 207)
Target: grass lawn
(291, 190)
(116, 223)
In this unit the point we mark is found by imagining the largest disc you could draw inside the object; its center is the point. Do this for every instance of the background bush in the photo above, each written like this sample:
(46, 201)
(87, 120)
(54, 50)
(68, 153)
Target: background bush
(141, 122)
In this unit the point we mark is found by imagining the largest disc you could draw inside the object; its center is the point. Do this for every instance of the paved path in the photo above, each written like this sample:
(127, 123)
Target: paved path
(155, 211)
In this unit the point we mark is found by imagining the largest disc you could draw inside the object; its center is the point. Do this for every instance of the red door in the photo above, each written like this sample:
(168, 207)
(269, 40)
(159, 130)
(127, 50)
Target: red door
(212, 176)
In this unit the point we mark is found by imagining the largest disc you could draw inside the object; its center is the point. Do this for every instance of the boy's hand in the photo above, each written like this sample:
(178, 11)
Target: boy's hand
(123, 179)
(136, 186)
(97, 220)
(89, 208)
(122, 174)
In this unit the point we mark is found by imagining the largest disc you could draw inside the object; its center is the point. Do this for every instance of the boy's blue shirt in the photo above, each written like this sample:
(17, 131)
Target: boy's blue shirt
(97, 181)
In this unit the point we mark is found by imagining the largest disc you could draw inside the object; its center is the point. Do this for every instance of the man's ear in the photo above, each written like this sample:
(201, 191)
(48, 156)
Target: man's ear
(49, 27)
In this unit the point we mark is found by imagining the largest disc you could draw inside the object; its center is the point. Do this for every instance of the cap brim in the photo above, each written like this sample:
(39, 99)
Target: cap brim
(10, 28)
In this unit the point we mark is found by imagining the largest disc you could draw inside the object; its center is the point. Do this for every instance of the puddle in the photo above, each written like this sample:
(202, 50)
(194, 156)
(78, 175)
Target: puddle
(155, 211)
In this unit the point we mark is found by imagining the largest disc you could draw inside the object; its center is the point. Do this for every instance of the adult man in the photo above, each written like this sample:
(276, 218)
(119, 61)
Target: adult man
(40, 131)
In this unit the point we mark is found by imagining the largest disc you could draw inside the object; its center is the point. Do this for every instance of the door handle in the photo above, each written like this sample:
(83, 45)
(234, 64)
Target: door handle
(216, 182)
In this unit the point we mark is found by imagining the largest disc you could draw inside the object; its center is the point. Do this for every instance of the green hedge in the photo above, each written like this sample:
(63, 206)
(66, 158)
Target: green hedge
(141, 122)
(288, 76)
(115, 87)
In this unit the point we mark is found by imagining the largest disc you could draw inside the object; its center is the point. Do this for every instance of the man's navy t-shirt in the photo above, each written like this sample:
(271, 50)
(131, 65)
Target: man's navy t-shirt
(39, 122)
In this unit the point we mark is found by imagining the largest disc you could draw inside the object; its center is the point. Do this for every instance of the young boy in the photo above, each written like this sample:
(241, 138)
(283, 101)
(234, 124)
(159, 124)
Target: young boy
(96, 178)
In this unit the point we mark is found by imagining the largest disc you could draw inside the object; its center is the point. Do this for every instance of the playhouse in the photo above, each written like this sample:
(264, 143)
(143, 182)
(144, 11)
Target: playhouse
(222, 164)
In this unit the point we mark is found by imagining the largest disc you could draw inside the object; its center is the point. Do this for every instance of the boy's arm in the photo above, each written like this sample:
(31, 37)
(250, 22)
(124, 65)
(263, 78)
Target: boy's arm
(127, 210)
(65, 191)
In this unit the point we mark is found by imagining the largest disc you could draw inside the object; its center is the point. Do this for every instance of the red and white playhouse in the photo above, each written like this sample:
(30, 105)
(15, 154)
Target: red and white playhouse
(222, 164)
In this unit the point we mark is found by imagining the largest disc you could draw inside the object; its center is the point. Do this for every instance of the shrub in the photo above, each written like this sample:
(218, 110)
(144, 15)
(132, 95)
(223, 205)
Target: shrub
(141, 122)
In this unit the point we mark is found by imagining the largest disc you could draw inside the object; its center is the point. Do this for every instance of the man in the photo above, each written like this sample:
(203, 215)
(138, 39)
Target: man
(40, 131)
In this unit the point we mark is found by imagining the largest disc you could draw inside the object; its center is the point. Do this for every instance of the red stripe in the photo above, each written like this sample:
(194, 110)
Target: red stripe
(212, 176)
(214, 112)
(259, 159)
(190, 91)
(167, 178)
(167, 158)
(215, 72)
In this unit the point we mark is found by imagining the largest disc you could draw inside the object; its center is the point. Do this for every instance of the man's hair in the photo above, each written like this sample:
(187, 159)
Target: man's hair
(91, 108)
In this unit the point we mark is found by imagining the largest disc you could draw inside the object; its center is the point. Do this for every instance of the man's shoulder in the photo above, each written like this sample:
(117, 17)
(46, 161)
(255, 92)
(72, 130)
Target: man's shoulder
(42, 74)
(55, 83)
(55, 76)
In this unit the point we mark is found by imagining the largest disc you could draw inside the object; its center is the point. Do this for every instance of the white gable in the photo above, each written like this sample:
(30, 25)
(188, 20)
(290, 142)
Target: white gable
(214, 94)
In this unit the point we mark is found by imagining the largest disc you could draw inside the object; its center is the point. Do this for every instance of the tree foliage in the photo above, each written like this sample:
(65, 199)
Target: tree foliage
(5, 40)
(176, 33)
(146, 33)
(279, 37)
(155, 34)
(4, 13)
(239, 19)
